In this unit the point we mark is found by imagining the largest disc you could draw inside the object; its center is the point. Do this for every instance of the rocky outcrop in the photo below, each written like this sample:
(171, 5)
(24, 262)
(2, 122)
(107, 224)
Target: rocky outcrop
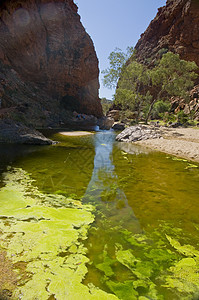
(11, 132)
(138, 133)
(48, 64)
(178, 104)
(175, 28)
(115, 114)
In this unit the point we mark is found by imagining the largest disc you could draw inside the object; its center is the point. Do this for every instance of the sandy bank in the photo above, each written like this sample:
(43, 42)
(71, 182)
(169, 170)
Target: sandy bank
(182, 142)
(75, 133)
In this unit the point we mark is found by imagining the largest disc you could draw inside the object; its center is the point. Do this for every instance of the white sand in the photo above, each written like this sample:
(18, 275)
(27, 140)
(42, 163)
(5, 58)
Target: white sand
(182, 142)
(76, 133)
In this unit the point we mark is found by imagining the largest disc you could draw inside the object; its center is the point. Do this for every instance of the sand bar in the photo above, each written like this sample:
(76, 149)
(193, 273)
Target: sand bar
(75, 133)
(182, 142)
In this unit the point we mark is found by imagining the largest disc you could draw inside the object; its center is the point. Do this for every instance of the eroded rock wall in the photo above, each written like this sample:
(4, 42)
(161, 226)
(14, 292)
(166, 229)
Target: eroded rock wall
(175, 28)
(47, 60)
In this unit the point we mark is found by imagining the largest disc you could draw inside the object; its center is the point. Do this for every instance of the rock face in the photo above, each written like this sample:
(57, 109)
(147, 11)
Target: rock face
(138, 133)
(48, 63)
(11, 132)
(179, 104)
(175, 28)
(115, 114)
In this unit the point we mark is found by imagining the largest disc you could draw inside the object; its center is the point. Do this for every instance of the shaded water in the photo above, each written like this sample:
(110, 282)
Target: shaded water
(147, 211)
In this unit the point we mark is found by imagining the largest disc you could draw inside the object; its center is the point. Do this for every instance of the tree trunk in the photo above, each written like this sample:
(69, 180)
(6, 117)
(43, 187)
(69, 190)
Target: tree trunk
(149, 111)
(152, 104)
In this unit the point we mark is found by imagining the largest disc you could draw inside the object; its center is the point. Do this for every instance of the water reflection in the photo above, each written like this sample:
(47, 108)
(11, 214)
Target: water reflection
(103, 189)
(131, 148)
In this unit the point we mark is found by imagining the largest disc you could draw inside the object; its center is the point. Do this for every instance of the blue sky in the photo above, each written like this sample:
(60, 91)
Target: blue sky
(115, 23)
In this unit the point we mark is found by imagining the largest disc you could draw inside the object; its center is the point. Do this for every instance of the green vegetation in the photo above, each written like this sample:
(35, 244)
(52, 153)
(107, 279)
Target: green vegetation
(131, 93)
(159, 109)
(117, 60)
(150, 261)
(162, 51)
(47, 239)
(144, 91)
(106, 104)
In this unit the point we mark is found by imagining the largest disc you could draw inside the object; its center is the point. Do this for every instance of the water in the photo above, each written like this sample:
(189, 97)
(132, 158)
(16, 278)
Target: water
(144, 240)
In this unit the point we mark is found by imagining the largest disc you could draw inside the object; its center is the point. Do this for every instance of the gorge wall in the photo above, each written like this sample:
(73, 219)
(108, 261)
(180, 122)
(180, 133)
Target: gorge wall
(48, 64)
(175, 28)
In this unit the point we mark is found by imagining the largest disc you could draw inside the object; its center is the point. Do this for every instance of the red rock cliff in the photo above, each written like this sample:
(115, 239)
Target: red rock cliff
(47, 60)
(176, 28)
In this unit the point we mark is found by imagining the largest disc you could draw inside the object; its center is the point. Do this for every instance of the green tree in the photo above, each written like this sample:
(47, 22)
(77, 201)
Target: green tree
(117, 61)
(106, 104)
(172, 77)
(131, 92)
(160, 108)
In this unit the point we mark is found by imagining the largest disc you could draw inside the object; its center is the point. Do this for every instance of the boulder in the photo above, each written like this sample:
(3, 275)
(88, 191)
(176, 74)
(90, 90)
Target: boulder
(138, 133)
(175, 125)
(118, 126)
(178, 104)
(77, 117)
(105, 123)
(115, 114)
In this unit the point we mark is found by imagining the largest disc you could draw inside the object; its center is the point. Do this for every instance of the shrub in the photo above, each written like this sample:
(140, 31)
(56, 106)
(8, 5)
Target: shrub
(159, 109)
(182, 117)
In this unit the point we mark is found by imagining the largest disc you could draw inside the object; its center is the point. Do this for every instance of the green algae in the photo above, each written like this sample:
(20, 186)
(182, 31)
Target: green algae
(126, 258)
(160, 201)
(47, 238)
(186, 250)
(123, 290)
(184, 275)
(105, 266)
(190, 166)
(149, 262)
(142, 271)
(139, 279)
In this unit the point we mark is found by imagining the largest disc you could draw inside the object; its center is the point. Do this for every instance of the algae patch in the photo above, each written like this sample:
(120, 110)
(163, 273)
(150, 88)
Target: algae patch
(184, 275)
(46, 232)
(150, 265)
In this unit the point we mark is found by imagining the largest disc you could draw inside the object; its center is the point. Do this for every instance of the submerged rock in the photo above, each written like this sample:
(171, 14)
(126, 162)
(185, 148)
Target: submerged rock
(11, 132)
(138, 133)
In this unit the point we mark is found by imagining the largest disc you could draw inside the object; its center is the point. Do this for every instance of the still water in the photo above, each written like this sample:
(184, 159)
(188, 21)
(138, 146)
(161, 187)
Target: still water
(143, 242)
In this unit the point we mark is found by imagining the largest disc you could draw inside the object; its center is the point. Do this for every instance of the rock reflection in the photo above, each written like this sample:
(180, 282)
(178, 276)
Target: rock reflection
(133, 148)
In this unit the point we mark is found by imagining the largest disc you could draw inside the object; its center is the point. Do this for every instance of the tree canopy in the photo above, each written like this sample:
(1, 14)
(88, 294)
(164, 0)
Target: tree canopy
(117, 61)
(139, 88)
